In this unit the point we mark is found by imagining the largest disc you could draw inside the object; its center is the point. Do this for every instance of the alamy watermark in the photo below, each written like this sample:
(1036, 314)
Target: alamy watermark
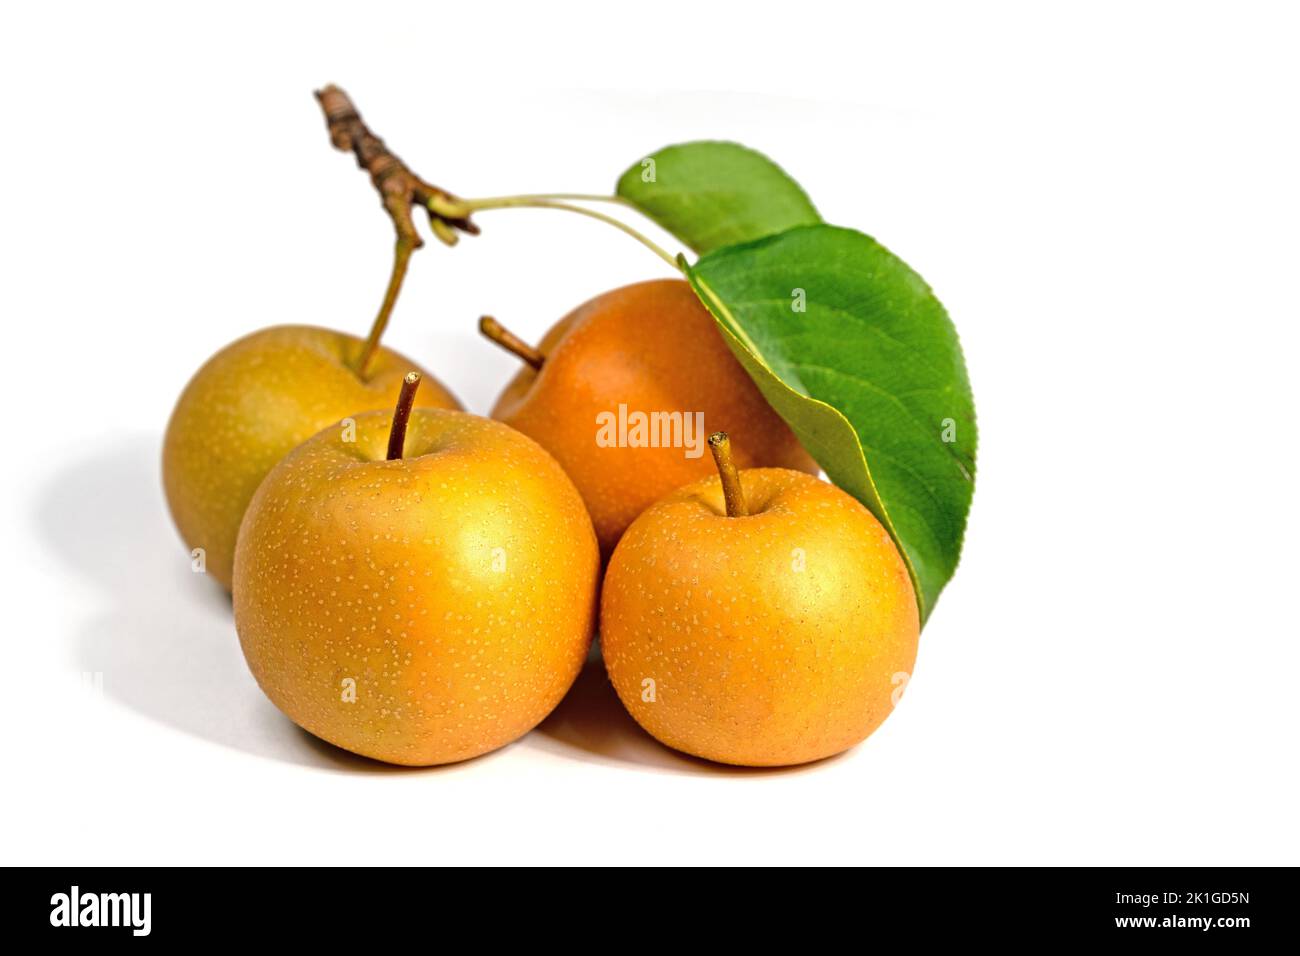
(75, 908)
(624, 429)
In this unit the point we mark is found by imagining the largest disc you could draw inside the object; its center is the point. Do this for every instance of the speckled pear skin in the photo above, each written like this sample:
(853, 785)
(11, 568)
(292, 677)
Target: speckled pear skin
(772, 639)
(653, 347)
(249, 405)
(456, 588)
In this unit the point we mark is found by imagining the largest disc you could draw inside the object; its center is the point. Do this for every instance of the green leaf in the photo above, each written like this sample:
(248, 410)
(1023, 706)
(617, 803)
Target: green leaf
(713, 194)
(870, 376)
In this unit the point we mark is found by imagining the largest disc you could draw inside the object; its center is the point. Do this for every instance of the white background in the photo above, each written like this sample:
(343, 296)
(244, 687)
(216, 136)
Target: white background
(1105, 198)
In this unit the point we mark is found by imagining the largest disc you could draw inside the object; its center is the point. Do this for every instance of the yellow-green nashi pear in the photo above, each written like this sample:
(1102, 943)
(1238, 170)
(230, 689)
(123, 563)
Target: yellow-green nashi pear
(248, 406)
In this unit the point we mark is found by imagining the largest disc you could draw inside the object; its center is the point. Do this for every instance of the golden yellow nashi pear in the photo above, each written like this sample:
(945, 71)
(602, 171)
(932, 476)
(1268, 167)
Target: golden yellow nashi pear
(765, 619)
(249, 405)
(421, 595)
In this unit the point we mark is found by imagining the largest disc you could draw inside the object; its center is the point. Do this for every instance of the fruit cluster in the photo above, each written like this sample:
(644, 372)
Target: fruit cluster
(421, 585)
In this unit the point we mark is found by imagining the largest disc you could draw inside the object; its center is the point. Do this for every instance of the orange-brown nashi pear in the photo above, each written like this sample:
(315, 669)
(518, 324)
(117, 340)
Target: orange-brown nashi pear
(776, 638)
(423, 610)
(651, 347)
(249, 405)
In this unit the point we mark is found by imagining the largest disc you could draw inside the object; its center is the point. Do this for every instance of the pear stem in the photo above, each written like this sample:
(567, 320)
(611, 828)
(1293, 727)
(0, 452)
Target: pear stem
(464, 207)
(399, 189)
(732, 493)
(402, 415)
(498, 333)
(401, 259)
